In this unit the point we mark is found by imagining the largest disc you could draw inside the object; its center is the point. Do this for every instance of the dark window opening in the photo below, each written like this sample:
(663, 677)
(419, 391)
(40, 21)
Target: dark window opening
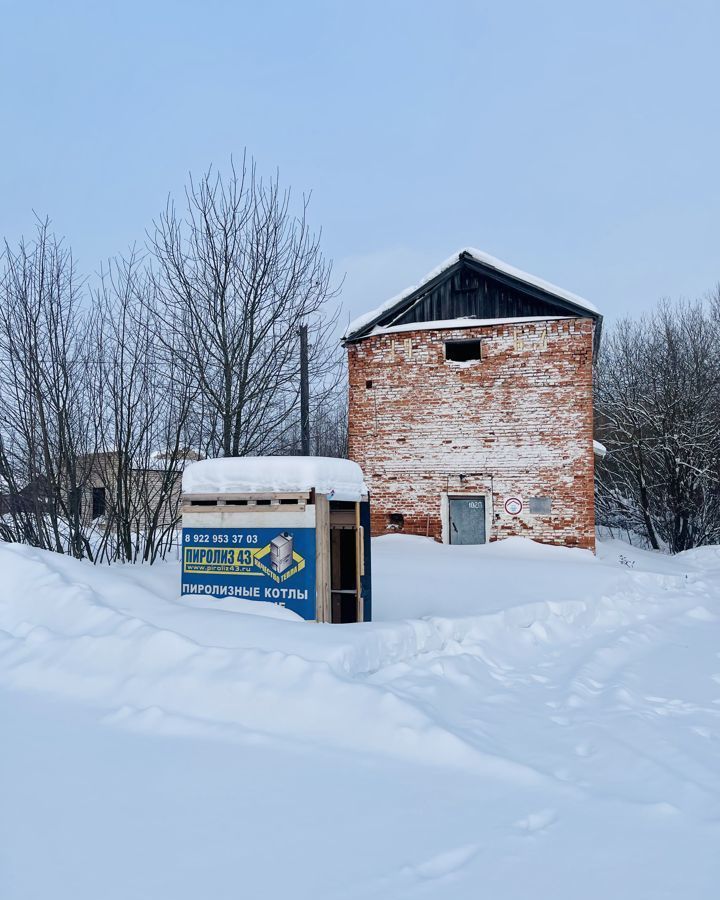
(98, 502)
(395, 520)
(368, 384)
(344, 582)
(462, 351)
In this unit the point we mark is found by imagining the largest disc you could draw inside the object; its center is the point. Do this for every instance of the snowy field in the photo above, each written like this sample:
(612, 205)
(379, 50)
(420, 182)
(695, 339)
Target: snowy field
(519, 722)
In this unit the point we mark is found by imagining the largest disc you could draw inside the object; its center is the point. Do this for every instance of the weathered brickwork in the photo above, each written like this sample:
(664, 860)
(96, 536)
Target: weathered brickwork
(517, 423)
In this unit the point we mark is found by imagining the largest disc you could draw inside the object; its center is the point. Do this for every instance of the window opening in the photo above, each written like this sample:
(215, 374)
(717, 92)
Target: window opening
(98, 502)
(462, 351)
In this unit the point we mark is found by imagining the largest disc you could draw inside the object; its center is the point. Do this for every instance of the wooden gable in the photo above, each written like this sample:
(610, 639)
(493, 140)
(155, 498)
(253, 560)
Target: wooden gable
(471, 289)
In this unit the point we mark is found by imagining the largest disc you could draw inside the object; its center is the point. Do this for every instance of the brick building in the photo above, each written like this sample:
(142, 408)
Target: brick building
(470, 407)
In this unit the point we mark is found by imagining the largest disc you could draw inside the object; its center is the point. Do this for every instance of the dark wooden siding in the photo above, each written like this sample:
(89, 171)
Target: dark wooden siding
(469, 292)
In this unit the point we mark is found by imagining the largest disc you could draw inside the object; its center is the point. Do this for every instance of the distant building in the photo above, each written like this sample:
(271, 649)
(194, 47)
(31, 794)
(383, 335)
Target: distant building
(471, 407)
(153, 486)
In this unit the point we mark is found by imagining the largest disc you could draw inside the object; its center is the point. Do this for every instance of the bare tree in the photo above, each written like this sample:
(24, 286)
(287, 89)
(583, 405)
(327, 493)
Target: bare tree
(328, 428)
(44, 425)
(143, 409)
(192, 350)
(235, 275)
(658, 412)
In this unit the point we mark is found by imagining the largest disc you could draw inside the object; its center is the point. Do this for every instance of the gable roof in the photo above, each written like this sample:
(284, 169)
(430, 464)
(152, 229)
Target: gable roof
(534, 298)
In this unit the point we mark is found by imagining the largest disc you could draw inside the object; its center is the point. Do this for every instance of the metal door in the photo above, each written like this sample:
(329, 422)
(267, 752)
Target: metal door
(467, 520)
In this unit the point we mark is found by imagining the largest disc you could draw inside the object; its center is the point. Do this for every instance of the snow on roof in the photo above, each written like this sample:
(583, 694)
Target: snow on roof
(479, 256)
(600, 450)
(160, 460)
(275, 474)
(464, 322)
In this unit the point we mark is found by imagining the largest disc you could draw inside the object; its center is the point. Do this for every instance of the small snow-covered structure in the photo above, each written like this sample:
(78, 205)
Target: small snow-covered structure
(290, 530)
(471, 406)
(340, 479)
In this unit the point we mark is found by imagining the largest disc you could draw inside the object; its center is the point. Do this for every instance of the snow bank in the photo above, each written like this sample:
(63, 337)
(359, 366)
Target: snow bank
(340, 478)
(90, 634)
(76, 629)
(580, 694)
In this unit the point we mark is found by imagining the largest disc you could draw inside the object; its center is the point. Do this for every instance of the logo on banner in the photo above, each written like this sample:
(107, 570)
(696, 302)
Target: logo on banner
(278, 560)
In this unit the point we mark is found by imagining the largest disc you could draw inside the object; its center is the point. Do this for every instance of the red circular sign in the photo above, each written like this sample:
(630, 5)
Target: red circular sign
(513, 506)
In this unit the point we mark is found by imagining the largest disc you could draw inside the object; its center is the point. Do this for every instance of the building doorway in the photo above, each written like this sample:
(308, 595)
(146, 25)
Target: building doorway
(467, 520)
(346, 563)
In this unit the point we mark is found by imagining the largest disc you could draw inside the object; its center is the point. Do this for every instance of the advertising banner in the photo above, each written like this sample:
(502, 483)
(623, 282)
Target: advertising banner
(276, 565)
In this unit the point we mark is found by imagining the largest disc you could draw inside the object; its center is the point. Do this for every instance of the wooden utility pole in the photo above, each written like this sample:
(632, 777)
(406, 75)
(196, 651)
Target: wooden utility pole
(304, 393)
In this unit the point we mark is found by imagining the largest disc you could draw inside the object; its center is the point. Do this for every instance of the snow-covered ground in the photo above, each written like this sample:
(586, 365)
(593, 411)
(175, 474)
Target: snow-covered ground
(518, 721)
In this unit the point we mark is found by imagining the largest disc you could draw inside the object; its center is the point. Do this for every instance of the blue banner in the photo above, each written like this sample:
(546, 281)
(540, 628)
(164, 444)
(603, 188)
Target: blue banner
(276, 565)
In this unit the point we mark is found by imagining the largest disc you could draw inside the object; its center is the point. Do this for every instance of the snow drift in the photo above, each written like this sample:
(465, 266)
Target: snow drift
(511, 701)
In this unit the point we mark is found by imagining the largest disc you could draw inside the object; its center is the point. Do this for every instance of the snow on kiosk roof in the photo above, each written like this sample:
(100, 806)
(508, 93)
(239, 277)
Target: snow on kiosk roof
(469, 286)
(339, 478)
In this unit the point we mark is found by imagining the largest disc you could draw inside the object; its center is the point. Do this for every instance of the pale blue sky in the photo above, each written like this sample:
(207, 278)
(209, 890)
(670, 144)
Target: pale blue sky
(578, 141)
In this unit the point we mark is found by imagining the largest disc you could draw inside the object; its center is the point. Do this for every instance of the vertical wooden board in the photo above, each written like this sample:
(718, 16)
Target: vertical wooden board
(361, 549)
(366, 576)
(322, 558)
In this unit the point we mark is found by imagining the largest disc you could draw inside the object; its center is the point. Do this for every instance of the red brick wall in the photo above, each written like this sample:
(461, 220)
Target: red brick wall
(522, 417)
